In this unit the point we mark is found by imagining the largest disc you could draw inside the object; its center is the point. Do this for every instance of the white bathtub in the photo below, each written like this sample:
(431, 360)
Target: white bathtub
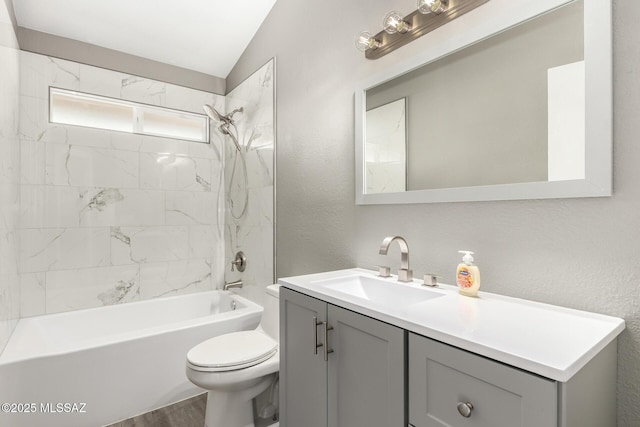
(112, 362)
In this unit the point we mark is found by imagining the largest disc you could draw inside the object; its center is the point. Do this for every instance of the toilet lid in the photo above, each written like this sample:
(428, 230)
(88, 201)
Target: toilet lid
(233, 351)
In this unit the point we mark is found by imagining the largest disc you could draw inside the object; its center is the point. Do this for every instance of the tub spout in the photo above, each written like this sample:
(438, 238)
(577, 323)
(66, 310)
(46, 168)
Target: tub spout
(229, 285)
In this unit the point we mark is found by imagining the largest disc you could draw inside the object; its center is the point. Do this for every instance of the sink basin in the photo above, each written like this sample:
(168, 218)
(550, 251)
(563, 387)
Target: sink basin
(377, 291)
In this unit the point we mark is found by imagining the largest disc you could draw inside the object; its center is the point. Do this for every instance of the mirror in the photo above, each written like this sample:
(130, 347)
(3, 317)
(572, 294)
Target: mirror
(386, 148)
(512, 103)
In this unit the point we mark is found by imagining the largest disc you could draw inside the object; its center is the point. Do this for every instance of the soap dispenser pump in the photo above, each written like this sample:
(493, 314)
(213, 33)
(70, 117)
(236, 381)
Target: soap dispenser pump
(468, 275)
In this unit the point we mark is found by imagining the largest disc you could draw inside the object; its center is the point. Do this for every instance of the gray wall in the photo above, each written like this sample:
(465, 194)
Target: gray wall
(85, 53)
(577, 253)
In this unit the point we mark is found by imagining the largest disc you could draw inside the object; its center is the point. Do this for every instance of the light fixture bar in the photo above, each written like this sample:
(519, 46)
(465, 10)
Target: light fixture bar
(420, 24)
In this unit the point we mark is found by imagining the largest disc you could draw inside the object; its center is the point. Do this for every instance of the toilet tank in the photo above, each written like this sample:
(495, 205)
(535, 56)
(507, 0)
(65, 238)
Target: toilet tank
(270, 322)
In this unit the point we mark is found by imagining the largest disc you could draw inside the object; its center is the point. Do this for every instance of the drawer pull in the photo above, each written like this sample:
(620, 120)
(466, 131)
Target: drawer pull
(465, 409)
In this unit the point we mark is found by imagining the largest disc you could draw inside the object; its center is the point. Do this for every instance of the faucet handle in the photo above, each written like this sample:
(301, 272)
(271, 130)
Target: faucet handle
(431, 280)
(405, 275)
(384, 271)
(239, 262)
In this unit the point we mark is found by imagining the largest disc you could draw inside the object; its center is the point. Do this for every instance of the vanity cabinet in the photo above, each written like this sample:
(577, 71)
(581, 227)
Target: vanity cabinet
(449, 387)
(338, 368)
(402, 355)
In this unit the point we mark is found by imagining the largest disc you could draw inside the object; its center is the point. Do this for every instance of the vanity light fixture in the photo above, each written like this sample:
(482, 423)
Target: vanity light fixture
(432, 6)
(398, 31)
(393, 23)
(364, 41)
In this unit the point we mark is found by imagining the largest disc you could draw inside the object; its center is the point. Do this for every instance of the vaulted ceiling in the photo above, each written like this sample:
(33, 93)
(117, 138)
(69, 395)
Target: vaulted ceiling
(202, 35)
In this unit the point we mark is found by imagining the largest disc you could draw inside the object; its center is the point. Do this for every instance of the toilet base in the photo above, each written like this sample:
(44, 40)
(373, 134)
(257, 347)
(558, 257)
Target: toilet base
(234, 408)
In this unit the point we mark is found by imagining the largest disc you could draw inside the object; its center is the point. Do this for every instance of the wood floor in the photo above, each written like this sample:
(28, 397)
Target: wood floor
(188, 413)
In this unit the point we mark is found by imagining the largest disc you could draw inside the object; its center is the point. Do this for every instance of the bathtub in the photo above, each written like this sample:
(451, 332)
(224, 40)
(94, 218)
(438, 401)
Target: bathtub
(98, 366)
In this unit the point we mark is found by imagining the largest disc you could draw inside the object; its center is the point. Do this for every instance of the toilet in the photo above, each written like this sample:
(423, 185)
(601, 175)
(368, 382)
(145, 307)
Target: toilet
(237, 367)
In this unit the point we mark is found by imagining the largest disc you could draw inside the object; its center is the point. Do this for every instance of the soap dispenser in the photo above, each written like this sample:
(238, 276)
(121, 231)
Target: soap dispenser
(468, 275)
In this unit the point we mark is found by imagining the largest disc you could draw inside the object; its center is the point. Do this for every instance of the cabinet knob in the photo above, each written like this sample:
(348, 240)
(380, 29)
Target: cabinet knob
(465, 409)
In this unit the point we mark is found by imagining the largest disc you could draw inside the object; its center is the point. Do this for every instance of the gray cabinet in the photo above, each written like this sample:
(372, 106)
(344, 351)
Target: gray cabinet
(344, 369)
(454, 388)
(338, 368)
(303, 373)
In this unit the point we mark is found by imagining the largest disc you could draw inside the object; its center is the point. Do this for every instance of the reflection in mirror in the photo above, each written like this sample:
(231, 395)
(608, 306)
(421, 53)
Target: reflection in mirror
(385, 148)
(509, 109)
(512, 102)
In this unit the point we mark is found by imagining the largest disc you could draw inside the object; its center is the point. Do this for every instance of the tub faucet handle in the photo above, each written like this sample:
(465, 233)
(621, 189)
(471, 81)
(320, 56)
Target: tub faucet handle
(239, 262)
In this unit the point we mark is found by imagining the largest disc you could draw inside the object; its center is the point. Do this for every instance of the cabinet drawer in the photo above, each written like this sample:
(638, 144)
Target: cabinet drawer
(494, 395)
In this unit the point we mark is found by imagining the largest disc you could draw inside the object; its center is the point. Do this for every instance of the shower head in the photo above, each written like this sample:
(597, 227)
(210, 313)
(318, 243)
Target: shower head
(216, 116)
(213, 113)
(224, 122)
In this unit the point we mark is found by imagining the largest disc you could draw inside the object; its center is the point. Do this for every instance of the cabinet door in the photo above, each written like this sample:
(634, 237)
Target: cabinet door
(303, 374)
(441, 377)
(366, 371)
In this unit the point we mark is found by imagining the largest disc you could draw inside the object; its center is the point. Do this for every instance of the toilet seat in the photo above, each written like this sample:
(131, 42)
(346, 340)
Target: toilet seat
(233, 351)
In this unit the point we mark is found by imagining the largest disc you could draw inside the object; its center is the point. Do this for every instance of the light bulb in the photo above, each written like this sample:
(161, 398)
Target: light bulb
(364, 42)
(393, 23)
(432, 6)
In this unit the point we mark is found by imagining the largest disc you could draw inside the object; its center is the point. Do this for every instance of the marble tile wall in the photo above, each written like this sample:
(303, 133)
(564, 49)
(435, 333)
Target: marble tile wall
(9, 177)
(249, 181)
(109, 217)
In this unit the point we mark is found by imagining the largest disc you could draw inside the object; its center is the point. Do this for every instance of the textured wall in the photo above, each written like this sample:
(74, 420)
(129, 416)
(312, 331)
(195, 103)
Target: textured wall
(249, 183)
(577, 253)
(110, 217)
(9, 176)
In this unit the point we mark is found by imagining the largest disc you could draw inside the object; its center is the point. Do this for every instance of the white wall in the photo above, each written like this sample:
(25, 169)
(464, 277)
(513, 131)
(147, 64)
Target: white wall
(111, 217)
(577, 253)
(9, 176)
(249, 192)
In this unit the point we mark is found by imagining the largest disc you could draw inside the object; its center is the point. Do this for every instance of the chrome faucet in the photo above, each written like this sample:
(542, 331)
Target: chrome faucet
(236, 284)
(404, 274)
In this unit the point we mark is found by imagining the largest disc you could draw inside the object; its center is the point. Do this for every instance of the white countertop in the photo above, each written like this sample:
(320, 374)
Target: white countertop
(548, 340)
